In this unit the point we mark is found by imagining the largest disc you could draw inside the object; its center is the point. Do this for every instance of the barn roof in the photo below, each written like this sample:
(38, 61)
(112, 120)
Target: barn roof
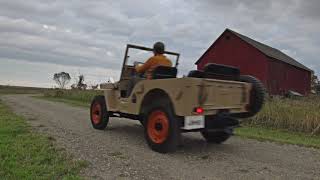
(268, 51)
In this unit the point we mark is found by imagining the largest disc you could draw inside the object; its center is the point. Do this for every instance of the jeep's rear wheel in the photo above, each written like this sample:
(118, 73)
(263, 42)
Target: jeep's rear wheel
(98, 113)
(161, 127)
(217, 137)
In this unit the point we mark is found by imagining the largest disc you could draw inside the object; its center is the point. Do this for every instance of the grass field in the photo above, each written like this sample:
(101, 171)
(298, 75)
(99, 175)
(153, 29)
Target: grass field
(279, 136)
(28, 155)
(295, 115)
(22, 90)
(82, 97)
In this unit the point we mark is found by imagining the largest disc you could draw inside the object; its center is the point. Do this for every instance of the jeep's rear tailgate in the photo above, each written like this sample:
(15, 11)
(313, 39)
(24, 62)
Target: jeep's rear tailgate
(212, 95)
(223, 95)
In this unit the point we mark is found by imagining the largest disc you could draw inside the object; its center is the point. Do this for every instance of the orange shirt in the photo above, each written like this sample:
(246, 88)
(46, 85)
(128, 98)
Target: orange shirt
(153, 62)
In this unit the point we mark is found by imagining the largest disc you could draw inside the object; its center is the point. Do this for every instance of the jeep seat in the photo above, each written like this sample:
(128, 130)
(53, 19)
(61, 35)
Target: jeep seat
(164, 72)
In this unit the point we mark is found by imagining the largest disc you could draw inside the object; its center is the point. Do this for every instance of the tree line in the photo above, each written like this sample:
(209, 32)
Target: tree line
(64, 78)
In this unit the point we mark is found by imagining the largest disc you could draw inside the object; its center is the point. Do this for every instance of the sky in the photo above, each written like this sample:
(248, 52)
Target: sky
(41, 37)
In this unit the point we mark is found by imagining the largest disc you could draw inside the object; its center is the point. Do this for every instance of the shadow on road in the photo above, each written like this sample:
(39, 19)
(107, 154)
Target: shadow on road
(192, 143)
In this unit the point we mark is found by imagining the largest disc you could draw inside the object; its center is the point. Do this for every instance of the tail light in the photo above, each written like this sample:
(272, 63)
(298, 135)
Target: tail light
(199, 110)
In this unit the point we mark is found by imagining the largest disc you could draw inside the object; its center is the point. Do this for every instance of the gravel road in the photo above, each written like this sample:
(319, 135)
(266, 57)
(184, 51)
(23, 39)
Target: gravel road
(120, 151)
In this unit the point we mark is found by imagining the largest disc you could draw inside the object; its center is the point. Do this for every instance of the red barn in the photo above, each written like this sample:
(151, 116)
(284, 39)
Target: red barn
(278, 72)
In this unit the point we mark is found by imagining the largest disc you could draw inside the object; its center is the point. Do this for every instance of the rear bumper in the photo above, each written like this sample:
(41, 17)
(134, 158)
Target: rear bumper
(218, 121)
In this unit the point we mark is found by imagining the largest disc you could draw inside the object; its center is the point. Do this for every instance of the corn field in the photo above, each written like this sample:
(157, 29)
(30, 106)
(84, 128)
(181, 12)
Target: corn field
(299, 115)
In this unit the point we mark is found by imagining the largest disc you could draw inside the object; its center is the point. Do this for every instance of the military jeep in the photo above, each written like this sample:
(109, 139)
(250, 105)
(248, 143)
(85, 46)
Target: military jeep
(208, 101)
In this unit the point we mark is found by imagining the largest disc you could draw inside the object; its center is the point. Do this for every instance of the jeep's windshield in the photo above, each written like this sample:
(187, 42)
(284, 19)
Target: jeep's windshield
(141, 54)
(136, 56)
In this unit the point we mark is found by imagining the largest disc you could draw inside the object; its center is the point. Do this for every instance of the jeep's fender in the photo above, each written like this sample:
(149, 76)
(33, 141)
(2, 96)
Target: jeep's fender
(153, 95)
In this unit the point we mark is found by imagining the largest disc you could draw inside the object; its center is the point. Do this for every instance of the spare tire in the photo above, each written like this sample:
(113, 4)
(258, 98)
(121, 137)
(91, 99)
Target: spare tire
(223, 72)
(257, 97)
(196, 74)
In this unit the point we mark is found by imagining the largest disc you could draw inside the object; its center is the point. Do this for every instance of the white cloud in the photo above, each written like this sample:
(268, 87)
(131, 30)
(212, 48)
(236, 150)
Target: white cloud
(93, 34)
(25, 73)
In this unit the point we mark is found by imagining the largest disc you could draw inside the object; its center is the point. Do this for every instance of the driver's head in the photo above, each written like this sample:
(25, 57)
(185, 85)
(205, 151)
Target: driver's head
(158, 48)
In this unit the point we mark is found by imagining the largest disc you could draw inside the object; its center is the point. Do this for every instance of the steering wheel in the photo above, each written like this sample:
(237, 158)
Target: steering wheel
(134, 73)
(137, 63)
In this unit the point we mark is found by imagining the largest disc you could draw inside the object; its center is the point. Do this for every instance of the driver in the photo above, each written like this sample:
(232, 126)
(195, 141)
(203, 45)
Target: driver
(147, 68)
(157, 60)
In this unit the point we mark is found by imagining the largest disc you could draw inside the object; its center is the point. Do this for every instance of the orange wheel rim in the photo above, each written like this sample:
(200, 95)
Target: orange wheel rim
(158, 127)
(96, 113)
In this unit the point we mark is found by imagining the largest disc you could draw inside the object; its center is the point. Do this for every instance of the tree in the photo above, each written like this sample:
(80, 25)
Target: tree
(94, 87)
(62, 79)
(80, 83)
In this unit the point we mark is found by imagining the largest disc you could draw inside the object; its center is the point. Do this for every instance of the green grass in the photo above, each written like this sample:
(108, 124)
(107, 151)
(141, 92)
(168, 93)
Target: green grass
(280, 136)
(28, 155)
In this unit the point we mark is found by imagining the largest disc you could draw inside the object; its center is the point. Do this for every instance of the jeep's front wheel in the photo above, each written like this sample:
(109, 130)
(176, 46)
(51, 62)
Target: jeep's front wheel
(161, 127)
(98, 113)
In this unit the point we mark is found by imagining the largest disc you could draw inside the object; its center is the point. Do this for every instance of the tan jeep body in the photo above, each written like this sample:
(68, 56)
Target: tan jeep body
(208, 101)
(185, 94)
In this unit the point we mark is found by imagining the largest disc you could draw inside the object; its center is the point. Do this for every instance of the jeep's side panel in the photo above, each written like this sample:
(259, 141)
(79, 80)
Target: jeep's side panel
(189, 93)
(112, 99)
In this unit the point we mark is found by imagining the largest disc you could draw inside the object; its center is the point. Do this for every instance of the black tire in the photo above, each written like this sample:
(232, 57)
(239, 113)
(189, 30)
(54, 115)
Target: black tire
(257, 97)
(99, 116)
(216, 137)
(196, 74)
(172, 139)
